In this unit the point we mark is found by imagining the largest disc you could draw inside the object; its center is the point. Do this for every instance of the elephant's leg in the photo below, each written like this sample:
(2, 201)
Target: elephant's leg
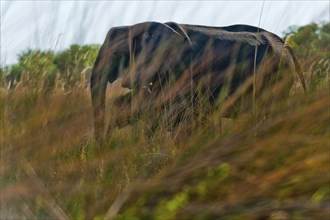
(121, 115)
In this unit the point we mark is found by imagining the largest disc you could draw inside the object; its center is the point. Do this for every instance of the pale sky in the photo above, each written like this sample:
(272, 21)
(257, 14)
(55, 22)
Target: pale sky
(58, 24)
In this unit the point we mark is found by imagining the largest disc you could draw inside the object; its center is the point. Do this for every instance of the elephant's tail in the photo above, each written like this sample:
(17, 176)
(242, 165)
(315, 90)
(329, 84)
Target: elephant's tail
(297, 66)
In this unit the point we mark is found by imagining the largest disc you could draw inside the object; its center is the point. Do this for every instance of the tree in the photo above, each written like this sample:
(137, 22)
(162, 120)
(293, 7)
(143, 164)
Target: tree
(42, 68)
(72, 61)
(311, 44)
(312, 40)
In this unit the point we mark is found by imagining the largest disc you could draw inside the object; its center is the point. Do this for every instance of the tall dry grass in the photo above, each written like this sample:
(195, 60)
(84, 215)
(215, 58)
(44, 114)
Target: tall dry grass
(239, 168)
(48, 166)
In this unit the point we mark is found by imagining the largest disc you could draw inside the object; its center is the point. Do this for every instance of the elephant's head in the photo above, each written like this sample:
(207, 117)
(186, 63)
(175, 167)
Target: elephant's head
(136, 54)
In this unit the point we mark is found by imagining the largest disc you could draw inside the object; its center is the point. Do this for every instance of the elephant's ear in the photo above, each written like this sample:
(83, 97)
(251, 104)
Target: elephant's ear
(139, 35)
(114, 48)
(132, 45)
(179, 29)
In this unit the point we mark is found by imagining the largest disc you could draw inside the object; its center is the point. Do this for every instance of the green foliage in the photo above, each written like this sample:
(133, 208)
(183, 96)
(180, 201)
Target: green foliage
(311, 40)
(37, 63)
(311, 44)
(217, 180)
(73, 60)
(76, 58)
(168, 208)
(3, 75)
(43, 68)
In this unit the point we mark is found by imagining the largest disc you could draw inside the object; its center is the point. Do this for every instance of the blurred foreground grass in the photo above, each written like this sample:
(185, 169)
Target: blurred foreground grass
(279, 168)
(228, 168)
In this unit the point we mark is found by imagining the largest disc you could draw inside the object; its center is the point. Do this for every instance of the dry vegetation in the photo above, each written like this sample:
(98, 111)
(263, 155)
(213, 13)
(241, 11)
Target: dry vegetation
(277, 168)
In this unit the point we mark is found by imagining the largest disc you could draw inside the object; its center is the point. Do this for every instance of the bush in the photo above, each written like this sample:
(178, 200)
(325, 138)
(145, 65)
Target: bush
(41, 69)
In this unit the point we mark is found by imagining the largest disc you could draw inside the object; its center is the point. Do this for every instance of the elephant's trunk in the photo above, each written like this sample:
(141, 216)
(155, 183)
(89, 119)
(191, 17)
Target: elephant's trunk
(99, 80)
(106, 69)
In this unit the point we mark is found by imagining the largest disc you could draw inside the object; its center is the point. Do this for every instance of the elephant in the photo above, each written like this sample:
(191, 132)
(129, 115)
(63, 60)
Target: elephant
(162, 62)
